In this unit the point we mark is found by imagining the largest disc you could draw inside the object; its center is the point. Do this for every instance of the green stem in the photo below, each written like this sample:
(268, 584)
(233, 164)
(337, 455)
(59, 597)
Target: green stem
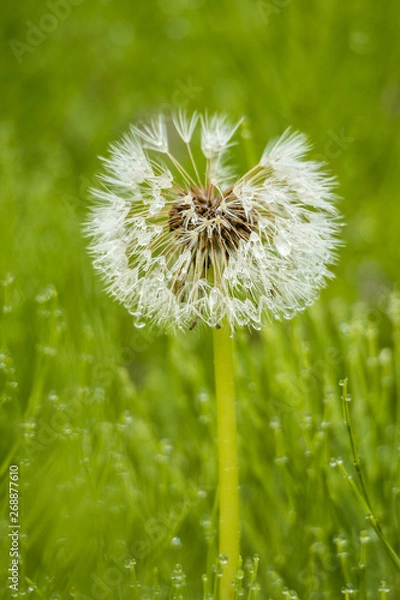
(362, 491)
(227, 459)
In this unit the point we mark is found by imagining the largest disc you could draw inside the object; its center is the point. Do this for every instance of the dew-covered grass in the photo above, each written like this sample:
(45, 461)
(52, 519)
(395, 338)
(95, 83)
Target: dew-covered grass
(117, 454)
(112, 428)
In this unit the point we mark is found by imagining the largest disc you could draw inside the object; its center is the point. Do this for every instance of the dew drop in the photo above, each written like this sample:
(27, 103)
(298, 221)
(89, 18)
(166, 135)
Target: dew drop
(254, 237)
(383, 588)
(214, 297)
(348, 590)
(240, 575)
(275, 423)
(144, 238)
(130, 563)
(281, 460)
(156, 207)
(283, 246)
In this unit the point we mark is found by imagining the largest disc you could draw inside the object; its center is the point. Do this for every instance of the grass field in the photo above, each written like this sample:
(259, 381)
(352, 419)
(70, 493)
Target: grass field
(112, 428)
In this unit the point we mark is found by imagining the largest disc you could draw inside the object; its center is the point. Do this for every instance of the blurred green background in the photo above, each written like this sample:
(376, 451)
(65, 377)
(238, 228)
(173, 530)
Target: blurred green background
(114, 429)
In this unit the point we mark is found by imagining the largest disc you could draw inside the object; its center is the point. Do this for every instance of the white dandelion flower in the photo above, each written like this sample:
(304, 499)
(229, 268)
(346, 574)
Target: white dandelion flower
(182, 241)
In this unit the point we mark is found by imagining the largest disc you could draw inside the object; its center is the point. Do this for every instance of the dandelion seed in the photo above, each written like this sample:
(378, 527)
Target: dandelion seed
(185, 241)
(185, 126)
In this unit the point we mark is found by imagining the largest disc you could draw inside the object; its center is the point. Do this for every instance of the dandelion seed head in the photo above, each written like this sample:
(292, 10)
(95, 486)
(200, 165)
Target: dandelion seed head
(181, 241)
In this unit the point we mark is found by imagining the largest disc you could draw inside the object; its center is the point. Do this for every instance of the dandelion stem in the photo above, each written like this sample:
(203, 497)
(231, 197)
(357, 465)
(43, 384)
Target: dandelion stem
(227, 456)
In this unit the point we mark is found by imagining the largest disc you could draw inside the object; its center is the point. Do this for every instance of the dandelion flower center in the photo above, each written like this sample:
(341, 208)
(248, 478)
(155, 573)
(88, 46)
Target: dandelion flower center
(209, 221)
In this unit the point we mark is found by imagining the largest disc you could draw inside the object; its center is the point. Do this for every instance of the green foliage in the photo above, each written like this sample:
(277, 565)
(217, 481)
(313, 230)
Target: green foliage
(113, 430)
